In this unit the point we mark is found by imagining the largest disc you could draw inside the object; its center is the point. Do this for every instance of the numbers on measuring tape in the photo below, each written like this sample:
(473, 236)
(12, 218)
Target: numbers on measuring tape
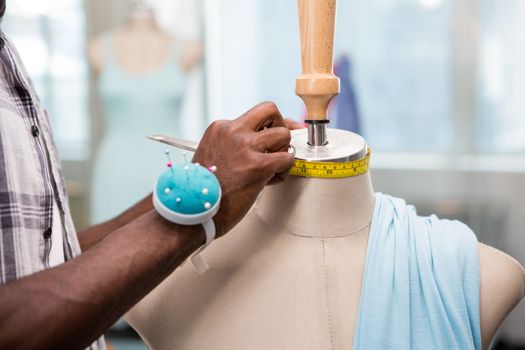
(330, 169)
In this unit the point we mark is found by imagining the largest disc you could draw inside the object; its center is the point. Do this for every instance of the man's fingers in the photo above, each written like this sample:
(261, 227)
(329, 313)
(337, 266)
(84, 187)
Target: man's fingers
(275, 142)
(272, 140)
(293, 125)
(280, 164)
(264, 115)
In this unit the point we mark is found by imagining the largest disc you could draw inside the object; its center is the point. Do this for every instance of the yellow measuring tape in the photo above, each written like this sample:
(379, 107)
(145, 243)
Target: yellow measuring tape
(330, 170)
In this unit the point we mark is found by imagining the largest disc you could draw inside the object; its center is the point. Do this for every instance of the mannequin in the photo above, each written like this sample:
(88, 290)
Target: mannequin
(141, 79)
(277, 281)
(290, 275)
(154, 43)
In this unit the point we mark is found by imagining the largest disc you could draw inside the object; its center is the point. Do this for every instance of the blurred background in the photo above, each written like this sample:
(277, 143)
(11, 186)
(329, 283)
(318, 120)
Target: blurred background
(437, 87)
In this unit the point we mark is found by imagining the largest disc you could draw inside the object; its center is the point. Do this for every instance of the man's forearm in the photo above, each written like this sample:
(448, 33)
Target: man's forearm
(94, 234)
(69, 306)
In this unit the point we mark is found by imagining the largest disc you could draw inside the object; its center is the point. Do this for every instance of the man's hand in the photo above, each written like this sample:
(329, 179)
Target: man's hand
(92, 235)
(293, 125)
(249, 152)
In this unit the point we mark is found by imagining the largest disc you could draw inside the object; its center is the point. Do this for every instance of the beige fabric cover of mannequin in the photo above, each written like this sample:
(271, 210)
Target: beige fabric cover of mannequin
(266, 288)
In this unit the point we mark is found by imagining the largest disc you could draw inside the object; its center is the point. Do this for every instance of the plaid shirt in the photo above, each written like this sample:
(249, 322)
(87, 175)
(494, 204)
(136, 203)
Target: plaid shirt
(31, 181)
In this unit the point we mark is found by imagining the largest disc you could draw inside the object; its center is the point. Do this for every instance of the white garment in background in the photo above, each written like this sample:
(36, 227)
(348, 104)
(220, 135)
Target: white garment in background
(184, 19)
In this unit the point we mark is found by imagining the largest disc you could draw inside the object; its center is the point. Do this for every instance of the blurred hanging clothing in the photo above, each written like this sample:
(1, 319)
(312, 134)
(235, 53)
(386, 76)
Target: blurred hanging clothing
(135, 105)
(2, 8)
(346, 112)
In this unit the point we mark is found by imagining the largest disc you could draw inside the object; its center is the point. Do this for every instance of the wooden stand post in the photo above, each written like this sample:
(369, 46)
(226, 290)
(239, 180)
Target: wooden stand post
(317, 84)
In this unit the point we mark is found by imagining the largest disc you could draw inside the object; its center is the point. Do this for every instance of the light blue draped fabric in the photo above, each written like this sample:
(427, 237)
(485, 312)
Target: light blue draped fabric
(421, 282)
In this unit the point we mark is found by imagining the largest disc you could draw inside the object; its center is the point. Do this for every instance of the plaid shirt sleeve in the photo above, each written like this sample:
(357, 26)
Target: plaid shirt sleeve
(31, 179)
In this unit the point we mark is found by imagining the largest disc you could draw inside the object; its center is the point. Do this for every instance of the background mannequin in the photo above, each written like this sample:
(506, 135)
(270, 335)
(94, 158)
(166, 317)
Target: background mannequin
(141, 71)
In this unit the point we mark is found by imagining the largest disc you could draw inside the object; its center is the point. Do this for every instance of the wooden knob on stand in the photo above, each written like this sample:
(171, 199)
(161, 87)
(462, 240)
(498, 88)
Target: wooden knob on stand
(317, 84)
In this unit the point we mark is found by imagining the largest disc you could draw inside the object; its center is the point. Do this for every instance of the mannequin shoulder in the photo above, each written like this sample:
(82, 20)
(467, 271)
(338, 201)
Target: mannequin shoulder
(191, 55)
(499, 269)
(95, 51)
(502, 288)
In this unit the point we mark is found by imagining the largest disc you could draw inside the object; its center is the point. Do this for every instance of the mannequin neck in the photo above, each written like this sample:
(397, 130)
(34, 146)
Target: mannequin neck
(142, 23)
(313, 207)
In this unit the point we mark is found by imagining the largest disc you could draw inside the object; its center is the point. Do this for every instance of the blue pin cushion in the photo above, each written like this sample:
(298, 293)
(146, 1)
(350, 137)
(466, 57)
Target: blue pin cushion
(187, 194)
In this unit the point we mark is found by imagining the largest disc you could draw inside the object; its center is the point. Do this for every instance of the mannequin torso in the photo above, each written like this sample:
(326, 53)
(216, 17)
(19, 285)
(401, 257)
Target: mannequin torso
(290, 277)
(277, 281)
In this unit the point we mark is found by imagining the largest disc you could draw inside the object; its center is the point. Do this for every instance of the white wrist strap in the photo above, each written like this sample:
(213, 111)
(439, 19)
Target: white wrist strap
(197, 260)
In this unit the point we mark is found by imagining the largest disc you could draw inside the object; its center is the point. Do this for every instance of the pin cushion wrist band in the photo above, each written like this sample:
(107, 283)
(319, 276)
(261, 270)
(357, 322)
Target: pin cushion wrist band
(189, 194)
